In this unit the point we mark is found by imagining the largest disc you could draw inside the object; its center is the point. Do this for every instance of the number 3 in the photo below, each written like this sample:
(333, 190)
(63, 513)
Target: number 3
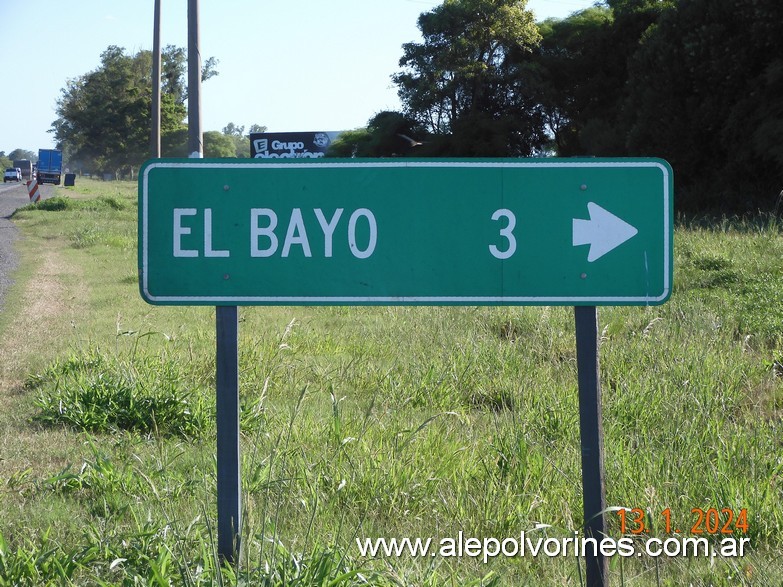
(507, 233)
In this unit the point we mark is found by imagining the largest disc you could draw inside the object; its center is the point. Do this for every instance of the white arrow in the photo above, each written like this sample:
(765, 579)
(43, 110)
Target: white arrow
(603, 232)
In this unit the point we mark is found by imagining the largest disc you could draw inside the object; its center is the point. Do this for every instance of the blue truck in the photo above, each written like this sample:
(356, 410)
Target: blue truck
(50, 166)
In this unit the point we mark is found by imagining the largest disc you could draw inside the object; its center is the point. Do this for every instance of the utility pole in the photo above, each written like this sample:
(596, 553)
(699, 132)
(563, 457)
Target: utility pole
(155, 136)
(229, 485)
(195, 140)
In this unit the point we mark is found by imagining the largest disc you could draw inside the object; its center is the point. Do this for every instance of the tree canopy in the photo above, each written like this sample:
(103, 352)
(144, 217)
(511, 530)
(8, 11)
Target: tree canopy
(704, 91)
(461, 83)
(239, 137)
(697, 82)
(18, 154)
(388, 134)
(104, 116)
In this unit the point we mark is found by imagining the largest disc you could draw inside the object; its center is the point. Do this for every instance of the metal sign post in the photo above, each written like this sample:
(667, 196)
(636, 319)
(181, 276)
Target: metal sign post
(229, 486)
(592, 439)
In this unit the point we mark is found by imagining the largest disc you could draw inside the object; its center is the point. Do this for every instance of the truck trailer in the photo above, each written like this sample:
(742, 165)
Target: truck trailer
(50, 166)
(26, 166)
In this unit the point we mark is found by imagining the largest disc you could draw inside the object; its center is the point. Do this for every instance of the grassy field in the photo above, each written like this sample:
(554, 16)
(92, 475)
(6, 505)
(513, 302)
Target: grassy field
(375, 422)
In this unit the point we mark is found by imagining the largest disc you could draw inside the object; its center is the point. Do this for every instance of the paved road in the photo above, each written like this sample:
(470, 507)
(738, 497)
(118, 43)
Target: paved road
(12, 196)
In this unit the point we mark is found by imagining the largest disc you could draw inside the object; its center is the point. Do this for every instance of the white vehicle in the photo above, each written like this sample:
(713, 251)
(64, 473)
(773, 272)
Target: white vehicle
(12, 174)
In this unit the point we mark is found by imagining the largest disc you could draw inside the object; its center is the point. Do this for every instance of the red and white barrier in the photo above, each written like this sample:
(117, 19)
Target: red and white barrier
(32, 189)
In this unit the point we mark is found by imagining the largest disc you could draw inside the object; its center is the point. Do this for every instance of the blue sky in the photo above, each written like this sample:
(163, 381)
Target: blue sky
(293, 65)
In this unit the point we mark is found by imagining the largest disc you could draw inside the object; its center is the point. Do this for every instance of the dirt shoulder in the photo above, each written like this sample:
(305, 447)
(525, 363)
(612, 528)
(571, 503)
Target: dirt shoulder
(44, 299)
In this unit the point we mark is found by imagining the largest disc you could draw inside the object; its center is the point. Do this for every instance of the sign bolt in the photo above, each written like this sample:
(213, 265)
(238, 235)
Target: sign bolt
(226, 276)
(226, 188)
(583, 276)
(583, 187)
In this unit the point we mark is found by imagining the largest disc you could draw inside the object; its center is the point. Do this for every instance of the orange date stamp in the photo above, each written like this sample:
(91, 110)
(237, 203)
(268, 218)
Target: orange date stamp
(710, 521)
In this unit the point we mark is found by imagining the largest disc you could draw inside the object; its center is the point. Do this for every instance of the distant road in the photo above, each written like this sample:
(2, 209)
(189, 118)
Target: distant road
(12, 196)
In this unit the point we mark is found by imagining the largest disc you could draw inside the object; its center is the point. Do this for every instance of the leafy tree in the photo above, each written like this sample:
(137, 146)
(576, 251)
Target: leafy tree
(563, 74)
(101, 113)
(173, 73)
(18, 154)
(350, 143)
(209, 69)
(240, 139)
(217, 144)
(580, 72)
(694, 81)
(103, 119)
(704, 92)
(460, 84)
(388, 134)
(233, 130)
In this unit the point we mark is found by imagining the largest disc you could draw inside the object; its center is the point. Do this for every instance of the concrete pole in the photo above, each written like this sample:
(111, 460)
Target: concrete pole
(155, 137)
(195, 140)
(229, 483)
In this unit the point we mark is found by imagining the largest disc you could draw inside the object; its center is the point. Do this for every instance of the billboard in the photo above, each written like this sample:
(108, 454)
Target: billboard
(290, 145)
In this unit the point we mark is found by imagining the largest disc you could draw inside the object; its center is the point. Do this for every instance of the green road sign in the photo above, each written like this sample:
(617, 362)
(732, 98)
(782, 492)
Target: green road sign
(406, 232)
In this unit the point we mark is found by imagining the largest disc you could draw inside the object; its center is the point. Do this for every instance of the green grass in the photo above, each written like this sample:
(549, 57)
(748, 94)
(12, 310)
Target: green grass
(384, 421)
(96, 393)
